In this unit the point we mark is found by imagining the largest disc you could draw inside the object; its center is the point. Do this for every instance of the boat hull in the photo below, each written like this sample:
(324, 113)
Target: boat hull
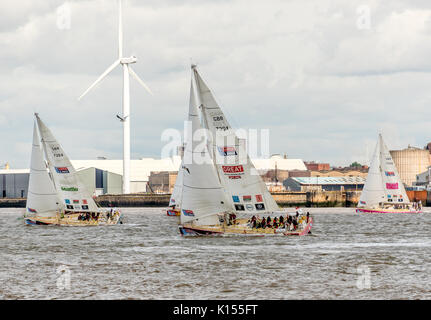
(173, 213)
(364, 210)
(190, 230)
(71, 220)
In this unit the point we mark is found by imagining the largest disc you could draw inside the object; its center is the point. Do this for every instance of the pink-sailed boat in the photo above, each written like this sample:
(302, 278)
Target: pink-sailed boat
(384, 191)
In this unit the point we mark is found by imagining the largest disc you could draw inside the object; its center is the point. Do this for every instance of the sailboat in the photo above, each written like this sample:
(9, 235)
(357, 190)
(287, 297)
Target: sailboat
(175, 200)
(56, 195)
(384, 191)
(219, 181)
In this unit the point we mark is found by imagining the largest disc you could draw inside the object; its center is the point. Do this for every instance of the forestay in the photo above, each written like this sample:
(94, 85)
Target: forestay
(243, 185)
(71, 191)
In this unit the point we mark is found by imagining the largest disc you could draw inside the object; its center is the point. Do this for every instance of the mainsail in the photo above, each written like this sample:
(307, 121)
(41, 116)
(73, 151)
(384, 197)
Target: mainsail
(244, 188)
(202, 195)
(70, 190)
(383, 183)
(42, 198)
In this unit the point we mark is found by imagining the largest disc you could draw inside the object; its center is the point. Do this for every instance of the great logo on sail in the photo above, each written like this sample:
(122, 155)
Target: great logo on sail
(233, 169)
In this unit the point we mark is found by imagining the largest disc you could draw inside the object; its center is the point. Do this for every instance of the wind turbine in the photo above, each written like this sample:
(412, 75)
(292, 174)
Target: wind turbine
(125, 62)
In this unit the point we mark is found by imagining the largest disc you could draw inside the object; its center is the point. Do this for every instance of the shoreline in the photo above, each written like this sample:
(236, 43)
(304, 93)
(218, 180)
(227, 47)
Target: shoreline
(286, 199)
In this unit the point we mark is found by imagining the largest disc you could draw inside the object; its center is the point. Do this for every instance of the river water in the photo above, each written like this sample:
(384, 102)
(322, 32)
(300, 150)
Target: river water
(348, 256)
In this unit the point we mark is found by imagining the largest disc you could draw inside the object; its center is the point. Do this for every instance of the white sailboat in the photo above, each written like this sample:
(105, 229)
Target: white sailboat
(175, 200)
(384, 191)
(219, 180)
(56, 195)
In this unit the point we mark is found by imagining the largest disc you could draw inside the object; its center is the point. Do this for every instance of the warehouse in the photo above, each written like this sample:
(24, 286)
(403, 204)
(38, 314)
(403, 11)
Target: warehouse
(304, 184)
(14, 183)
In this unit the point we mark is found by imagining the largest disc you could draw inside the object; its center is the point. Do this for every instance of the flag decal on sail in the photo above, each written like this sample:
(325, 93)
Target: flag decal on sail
(84, 207)
(67, 201)
(227, 151)
(259, 198)
(84, 201)
(392, 186)
(235, 198)
(69, 207)
(260, 206)
(246, 198)
(31, 210)
(389, 173)
(363, 202)
(188, 213)
(61, 170)
(75, 201)
(249, 207)
(239, 207)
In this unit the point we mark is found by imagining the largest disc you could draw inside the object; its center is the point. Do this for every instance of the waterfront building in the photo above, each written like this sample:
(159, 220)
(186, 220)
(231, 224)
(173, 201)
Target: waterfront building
(346, 183)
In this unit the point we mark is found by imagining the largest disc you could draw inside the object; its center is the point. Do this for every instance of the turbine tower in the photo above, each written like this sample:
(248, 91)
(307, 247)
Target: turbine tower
(125, 118)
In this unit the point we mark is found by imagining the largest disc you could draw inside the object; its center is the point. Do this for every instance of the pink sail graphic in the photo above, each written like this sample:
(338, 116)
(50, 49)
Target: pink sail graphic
(392, 186)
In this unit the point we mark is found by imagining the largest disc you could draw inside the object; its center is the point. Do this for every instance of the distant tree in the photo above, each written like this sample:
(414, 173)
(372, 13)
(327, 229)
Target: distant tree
(356, 164)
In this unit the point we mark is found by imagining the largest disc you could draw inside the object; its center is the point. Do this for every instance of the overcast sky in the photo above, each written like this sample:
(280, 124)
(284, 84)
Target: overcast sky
(323, 76)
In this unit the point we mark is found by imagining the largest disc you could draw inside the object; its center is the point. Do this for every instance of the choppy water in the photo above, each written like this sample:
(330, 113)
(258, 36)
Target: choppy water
(347, 257)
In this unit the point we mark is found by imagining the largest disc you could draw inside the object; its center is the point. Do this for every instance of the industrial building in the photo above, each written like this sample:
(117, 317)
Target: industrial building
(14, 183)
(410, 162)
(100, 182)
(324, 183)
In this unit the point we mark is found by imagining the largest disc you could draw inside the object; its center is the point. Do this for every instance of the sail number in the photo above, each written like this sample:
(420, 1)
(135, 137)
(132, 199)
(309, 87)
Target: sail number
(55, 152)
(224, 128)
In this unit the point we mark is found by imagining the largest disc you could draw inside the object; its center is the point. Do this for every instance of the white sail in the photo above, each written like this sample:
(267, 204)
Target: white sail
(392, 184)
(242, 183)
(202, 197)
(373, 193)
(383, 183)
(42, 198)
(71, 191)
(176, 195)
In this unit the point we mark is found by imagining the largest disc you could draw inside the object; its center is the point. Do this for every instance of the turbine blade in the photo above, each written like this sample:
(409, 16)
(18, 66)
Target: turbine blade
(120, 29)
(116, 63)
(134, 75)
